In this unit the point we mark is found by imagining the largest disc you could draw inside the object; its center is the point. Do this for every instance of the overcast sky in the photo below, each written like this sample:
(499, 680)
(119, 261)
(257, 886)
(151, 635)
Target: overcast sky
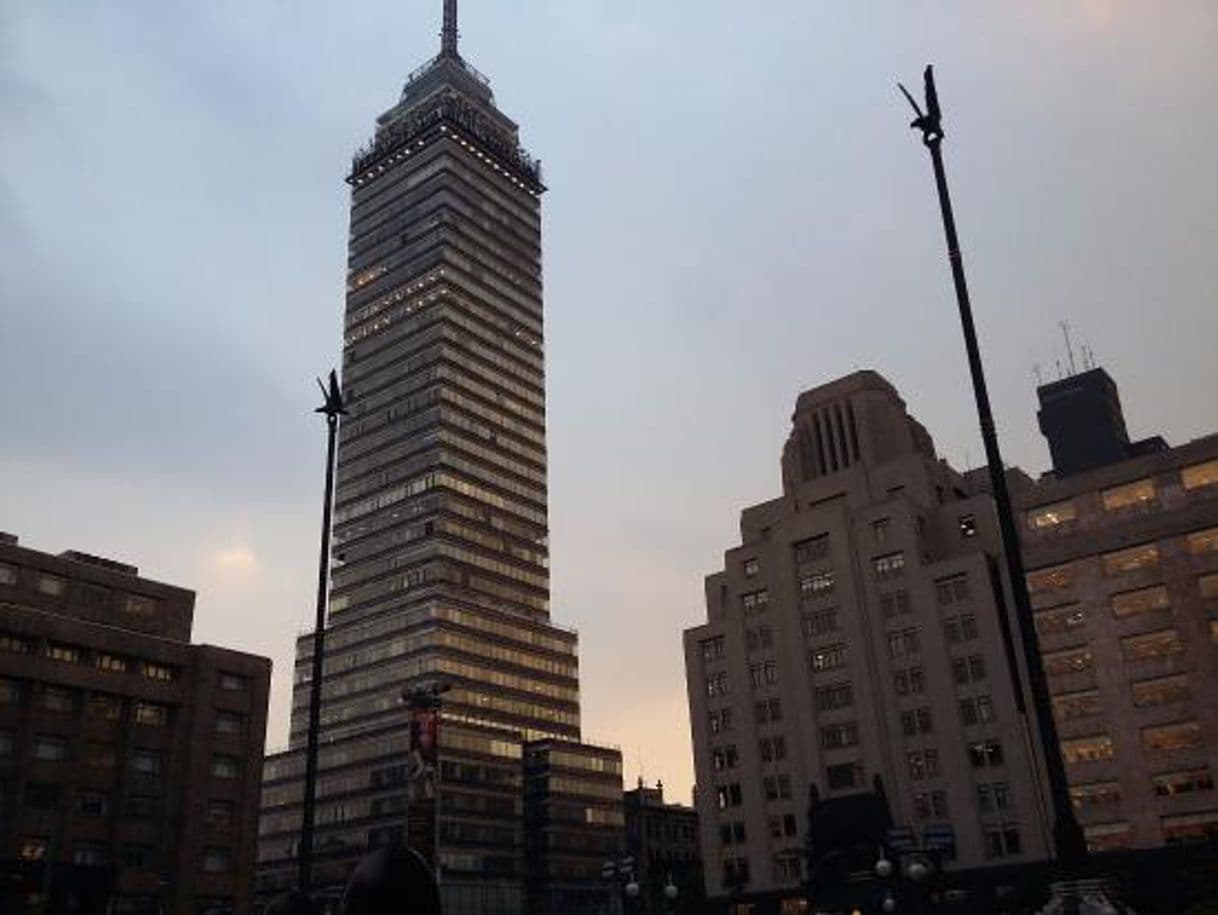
(737, 211)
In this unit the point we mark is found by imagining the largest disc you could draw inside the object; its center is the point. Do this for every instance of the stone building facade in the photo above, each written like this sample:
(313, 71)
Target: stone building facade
(1121, 554)
(857, 631)
(124, 747)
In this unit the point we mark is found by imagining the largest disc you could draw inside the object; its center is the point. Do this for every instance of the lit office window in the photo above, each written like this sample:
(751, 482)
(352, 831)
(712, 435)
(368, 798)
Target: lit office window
(1203, 541)
(1167, 738)
(1143, 600)
(1198, 475)
(1151, 645)
(1050, 579)
(1051, 516)
(1087, 749)
(1142, 556)
(1135, 494)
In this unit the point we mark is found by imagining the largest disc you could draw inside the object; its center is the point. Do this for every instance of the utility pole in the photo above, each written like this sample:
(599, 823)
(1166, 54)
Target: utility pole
(1070, 845)
(332, 409)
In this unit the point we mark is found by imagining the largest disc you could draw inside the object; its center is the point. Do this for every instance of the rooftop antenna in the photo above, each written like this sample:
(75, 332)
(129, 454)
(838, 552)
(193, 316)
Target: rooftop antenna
(1069, 347)
(448, 34)
(1059, 369)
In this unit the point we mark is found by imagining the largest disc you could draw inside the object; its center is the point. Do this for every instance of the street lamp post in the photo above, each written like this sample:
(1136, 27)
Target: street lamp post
(332, 409)
(1071, 847)
(670, 895)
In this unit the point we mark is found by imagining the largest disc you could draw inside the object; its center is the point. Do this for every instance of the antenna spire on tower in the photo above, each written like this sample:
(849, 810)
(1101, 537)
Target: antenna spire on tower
(448, 35)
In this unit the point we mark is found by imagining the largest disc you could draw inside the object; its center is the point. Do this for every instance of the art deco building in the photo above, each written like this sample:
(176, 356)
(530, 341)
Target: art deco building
(440, 563)
(856, 632)
(130, 759)
(1121, 546)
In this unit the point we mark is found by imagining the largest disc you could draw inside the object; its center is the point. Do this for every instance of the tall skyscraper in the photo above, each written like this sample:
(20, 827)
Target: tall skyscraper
(856, 633)
(440, 559)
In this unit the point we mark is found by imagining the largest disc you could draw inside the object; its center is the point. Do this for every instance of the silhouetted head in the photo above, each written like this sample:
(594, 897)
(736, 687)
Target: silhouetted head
(392, 881)
(293, 902)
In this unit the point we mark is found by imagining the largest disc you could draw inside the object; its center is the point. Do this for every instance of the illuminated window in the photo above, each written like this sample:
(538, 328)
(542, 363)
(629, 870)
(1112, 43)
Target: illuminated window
(1076, 705)
(1095, 795)
(1167, 738)
(816, 585)
(8, 574)
(15, 644)
(1060, 619)
(112, 663)
(1050, 579)
(1203, 541)
(1199, 475)
(1087, 749)
(1138, 493)
(66, 653)
(151, 714)
(1161, 690)
(1190, 827)
(967, 525)
(51, 585)
(1143, 556)
(1108, 836)
(1208, 585)
(225, 766)
(50, 748)
(1143, 600)
(888, 566)
(1187, 781)
(1050, 516)
(233, 683)
(751, 568)
(1151, 645)
(1071, 661)
(829, 657)
(985, 753)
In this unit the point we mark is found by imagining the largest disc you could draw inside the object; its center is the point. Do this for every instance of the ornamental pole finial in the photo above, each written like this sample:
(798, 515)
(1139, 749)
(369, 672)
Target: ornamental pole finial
(448, 35)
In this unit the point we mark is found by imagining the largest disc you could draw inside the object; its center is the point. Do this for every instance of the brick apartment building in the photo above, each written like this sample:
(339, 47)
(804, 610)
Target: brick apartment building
(130, 759)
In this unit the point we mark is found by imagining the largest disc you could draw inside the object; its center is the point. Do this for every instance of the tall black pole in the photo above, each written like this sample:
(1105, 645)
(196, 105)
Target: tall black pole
(332, 409)
(1071, 847)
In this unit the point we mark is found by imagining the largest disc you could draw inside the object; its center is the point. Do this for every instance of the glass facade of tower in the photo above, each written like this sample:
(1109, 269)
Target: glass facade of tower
(440, 558)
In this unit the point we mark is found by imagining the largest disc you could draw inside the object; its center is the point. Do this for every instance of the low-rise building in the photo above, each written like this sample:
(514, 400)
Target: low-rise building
(662, 843)
(123, 747)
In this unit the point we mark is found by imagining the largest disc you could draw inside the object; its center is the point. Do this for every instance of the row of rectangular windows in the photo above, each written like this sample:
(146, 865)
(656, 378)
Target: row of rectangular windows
(1135, 495)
